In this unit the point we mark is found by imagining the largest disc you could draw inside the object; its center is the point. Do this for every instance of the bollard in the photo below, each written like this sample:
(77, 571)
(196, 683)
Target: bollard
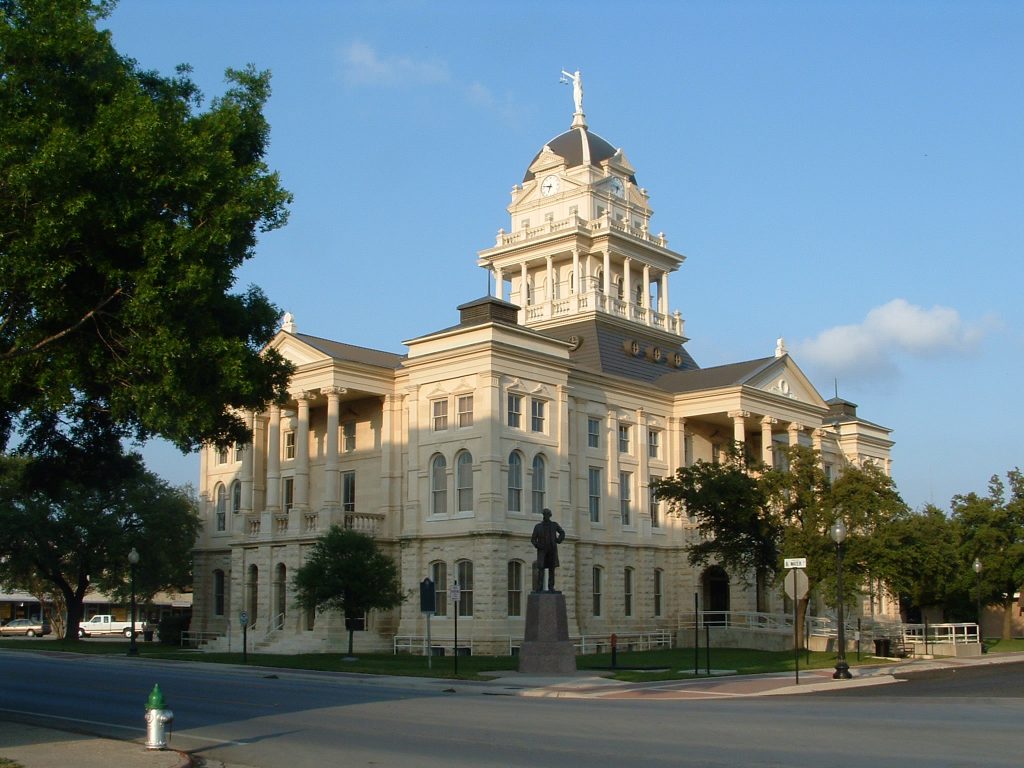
(157, 716)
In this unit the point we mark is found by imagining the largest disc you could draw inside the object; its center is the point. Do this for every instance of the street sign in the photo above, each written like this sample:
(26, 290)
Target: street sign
(243, 618)
(454, 592)
(795, 562)
(796, 584)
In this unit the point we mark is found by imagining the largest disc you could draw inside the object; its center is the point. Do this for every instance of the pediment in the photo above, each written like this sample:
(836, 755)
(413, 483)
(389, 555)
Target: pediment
(545, 161)
(785, 379)
(295, 351)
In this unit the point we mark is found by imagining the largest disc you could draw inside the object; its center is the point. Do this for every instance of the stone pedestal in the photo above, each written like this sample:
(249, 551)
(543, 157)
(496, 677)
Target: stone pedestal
(546, 648)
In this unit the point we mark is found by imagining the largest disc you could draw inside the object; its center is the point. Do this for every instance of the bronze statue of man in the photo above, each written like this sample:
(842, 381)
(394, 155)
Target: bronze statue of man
(547, 535)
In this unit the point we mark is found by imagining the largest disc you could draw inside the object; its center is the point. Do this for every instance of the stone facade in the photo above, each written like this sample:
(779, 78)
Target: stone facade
(569, 388)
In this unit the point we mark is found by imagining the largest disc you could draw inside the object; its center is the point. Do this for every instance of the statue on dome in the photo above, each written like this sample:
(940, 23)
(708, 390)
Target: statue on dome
(577, 88)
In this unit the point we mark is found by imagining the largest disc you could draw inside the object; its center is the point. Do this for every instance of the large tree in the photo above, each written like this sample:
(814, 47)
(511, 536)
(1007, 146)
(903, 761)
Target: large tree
(346, 572)
(991, 530)
(751, 517)
(73, 503)
(125, 210)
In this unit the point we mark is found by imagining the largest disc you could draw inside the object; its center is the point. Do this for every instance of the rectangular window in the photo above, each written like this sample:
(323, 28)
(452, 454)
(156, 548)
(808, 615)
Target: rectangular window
(623, 438)
(515, 410)
(289, 445)
(594, 493)
(593, 433)
(515, 588)
(537, 415)
(288, 493)
(627, 591)
(439, 412)
(222, 455)
(439, 575)
(238, 451)
(716, 453)
(653, 443)
(348, 491)
(655, 506)
(573, 210)
(465, 588)
(625, 493)
(348, 436)
(657, 592)
(597, 591)
(465, 403)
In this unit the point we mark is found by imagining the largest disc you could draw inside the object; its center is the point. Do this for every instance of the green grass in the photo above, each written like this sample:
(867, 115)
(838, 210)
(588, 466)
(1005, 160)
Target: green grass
(995, 645)
(5, 763)
(670, 664)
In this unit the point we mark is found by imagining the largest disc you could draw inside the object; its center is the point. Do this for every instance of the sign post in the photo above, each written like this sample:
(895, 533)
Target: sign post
(796, 589)
(454, 593)
(243, 619)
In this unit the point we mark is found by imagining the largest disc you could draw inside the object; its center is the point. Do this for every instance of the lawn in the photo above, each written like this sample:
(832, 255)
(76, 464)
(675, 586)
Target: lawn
(671, 664)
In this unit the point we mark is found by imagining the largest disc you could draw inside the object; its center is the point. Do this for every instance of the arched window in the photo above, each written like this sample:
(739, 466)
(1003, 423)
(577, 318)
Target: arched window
(218, 593)
(236, 497)
(465, 571)
(620, 288)
(539, 484)
(438, 486)
(515, 588)
(439, 575)
(600, 281)
(464, 481)
(252, 588)
(222, 503)
(638, 294)
(515, 482)
(572, 282)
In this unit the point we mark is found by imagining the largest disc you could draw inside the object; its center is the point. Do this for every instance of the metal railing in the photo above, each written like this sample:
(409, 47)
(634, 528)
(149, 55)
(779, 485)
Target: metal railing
(753, 620)
(417, 644)
(194, 638)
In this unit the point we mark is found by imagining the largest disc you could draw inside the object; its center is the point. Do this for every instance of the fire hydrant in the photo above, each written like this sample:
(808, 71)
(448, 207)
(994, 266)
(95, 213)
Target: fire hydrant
(157, 717)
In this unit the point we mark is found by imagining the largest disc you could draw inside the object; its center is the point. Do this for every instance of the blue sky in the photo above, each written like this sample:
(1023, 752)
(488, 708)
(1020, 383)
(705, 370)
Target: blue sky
(847, 175)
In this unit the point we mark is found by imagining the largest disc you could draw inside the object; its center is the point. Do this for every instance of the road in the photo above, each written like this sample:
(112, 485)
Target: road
(254, 717)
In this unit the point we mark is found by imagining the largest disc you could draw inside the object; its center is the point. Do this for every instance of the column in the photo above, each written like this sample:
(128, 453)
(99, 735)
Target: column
(524, 293)
(248, 462)
(676, 443)
(576, 271)
(627, 290)
(411, 521)
(557, 491)
(332, 494)
(498, 284)
(766, 440)
(663, 294)
(274, 461)
(646, 298)
(739, 433)
(302, 454)
(816, 436)
(607, 281)
(550, 280)
(794, 429)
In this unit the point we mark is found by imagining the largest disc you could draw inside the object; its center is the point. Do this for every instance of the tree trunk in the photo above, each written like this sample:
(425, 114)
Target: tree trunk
(801, 613)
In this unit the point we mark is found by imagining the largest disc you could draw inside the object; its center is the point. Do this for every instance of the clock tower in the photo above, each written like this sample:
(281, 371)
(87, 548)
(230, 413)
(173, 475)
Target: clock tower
(579, 246)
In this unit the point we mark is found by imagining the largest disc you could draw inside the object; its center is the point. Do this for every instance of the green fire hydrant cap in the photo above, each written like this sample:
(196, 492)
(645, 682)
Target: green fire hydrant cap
(156, 699)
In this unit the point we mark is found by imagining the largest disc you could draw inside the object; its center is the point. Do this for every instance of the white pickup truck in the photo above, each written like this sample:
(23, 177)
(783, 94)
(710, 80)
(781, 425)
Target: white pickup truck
(104, 624)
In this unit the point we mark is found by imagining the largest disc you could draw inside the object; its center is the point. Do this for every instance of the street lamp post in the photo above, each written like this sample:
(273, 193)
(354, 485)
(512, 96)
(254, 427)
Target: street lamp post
(842, 672)
(977, 595)
(133, 560)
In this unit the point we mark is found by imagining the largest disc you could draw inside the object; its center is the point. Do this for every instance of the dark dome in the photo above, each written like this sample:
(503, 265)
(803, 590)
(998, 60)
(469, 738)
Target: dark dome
(569, 146)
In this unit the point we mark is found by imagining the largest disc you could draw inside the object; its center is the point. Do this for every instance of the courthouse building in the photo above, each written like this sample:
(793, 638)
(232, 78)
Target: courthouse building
(570, 387)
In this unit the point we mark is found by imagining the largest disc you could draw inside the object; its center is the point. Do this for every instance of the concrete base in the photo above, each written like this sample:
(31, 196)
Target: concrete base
(546, 648)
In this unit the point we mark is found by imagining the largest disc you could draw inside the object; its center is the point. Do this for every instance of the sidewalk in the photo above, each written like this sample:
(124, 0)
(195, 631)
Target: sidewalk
(34, 746)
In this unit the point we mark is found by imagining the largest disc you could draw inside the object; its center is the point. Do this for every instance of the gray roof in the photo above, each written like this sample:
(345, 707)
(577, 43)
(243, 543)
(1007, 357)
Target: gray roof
(352, 353)
(569, 146)
(730, 375)
(604, 348)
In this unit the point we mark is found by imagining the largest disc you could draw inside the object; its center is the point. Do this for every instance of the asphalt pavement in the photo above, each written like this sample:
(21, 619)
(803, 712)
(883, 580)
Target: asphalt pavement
(36, 746)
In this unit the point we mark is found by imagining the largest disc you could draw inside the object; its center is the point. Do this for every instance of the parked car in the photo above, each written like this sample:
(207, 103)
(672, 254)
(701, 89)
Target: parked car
(26, 627)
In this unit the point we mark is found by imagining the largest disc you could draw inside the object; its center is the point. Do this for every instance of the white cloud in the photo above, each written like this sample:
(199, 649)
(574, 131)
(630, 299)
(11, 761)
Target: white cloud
(361, 64)
(888, 332)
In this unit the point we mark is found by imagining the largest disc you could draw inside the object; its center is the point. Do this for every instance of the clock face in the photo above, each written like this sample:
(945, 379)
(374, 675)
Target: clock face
(617, 187)
(549, 186)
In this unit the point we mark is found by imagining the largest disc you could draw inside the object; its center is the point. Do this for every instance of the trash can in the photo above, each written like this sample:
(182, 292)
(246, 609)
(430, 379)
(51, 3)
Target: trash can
(147, 635)
(883, 646)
